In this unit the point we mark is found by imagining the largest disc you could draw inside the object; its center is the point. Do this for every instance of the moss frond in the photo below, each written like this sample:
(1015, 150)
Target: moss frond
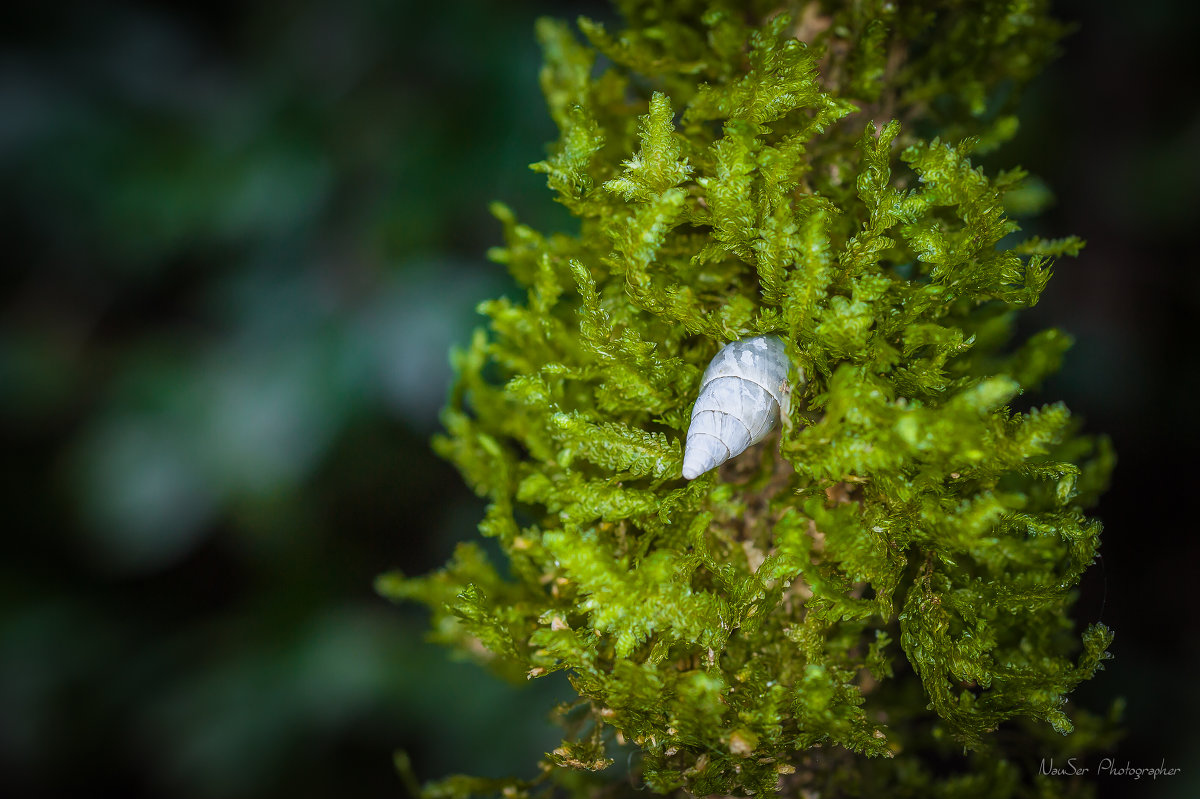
(890, 578)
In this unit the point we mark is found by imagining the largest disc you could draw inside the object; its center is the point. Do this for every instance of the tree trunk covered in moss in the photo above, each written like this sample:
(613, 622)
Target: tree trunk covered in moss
(875, 600)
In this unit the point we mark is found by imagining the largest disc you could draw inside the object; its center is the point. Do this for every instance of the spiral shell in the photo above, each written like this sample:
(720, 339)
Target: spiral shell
(743, 393)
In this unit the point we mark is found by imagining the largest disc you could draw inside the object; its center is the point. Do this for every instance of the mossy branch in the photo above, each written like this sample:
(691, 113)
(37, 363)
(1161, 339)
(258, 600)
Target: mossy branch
(895, 570)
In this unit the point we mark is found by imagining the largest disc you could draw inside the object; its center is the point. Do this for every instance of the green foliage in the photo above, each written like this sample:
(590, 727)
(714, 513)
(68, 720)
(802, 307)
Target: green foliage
(890, 577)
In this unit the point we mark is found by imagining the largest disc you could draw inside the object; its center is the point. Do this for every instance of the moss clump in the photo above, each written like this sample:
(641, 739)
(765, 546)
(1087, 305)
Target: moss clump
(853, 604)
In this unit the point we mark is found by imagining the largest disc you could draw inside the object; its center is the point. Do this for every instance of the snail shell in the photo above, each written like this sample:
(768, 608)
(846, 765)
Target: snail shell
(743, 393)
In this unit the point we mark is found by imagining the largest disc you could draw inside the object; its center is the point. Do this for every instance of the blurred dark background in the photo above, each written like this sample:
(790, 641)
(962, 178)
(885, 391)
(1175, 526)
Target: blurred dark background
(241, 238)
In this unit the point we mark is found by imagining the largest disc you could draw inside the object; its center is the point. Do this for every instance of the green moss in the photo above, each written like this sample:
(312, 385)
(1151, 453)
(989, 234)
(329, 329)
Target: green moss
(856, 603)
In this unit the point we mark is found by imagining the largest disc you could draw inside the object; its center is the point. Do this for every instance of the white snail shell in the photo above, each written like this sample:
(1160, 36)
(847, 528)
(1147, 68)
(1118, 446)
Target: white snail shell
(743, 393)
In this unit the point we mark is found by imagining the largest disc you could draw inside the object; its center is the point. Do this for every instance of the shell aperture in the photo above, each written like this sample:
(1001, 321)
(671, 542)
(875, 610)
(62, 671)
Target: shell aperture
(743, 393)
